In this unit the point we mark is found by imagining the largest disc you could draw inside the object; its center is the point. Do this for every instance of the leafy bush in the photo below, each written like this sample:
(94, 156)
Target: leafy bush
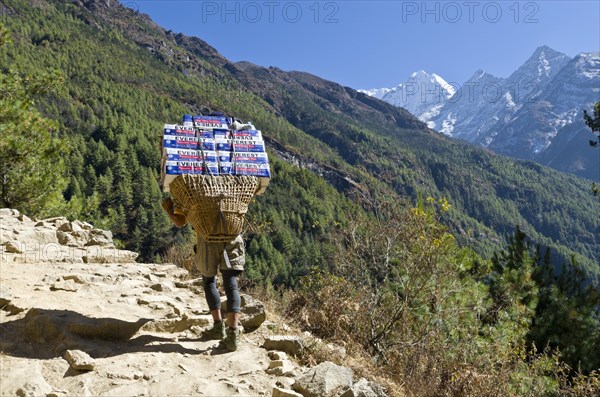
(402, 292)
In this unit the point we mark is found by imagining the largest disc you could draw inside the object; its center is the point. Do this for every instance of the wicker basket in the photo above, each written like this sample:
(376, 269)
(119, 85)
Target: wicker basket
(214, 205)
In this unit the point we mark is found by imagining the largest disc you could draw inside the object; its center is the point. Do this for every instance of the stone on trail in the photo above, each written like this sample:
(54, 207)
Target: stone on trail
(326, 379)
(290, 344)
(66, 285)
(80, 361)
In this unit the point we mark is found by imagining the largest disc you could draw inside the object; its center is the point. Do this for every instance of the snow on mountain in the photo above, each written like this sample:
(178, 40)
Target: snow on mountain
(531, 77)
(422, 94)
(474, 107)
(519, 115)
(376, 92)
(444, 84)
(577, 84)
(488, 103)
(558, 107)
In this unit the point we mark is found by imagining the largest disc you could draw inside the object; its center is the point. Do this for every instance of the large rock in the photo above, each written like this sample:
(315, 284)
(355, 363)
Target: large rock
(324, 380)
(55, 220)
(35, 237)
(9, 212)
(71, 227)
(364, 388)
(57, 240)
(275, 355)
(64, 238)
(72, 239)
(6, 301)
(103, 238)
(253, 314)
(176, 325)
(290, 344)
(87, 226)
(80, 361)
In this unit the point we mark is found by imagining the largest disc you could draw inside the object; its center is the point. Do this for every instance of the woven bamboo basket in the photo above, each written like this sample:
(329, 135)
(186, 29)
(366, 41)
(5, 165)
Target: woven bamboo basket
(215, 206)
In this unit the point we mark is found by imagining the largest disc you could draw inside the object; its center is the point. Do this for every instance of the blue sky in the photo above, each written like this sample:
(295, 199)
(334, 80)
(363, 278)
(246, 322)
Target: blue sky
(371, 44)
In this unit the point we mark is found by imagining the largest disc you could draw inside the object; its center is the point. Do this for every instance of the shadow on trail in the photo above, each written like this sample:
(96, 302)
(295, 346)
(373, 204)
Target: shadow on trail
(44, 334)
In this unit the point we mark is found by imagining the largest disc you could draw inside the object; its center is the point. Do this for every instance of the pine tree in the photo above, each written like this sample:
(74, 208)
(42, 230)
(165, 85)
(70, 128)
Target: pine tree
(513, 289)
(594, 123)
(31, 155)
(568, 315)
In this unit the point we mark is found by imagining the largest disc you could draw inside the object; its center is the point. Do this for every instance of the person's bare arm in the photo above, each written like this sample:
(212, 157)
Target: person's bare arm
(178, 219)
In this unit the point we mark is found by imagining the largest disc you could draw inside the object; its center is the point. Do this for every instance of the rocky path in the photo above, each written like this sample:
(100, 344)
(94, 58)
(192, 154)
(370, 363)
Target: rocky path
(75, 323)
(142, 330)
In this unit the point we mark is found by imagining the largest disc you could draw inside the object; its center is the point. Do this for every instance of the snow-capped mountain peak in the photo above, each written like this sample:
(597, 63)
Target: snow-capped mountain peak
(481, 75)
(448, 87)
(540, 68)
(376, 92)
(522, 116)
(419, 74)
(422, 94)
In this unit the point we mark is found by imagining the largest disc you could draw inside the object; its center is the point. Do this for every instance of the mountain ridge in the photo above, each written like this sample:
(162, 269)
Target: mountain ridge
(521, 114)
(379, 146)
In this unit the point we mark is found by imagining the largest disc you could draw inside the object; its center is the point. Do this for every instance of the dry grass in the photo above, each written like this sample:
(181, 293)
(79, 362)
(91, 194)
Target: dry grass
(434, 367)
(182, 255)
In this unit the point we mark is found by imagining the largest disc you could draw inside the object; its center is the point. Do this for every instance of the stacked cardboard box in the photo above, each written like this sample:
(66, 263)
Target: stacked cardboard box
(211, 145)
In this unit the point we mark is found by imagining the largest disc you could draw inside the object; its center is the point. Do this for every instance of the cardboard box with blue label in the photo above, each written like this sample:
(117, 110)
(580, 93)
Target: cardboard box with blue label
(221, 133)
(223, 145)
(191, 155)
(180, 142)
(205, 134)
(210, 122)
(250, 157)
(182, 155)
(247, 134)
(206, 145)
(248, 145)
(178, 130)
(260, 170)
(191, 167)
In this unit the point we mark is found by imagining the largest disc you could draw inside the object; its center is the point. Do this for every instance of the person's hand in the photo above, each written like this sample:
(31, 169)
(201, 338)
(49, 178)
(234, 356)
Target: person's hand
(168, 205)
(178, 219)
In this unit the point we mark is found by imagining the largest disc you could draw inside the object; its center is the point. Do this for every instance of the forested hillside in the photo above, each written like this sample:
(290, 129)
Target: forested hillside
(124, 76)
(426, 255)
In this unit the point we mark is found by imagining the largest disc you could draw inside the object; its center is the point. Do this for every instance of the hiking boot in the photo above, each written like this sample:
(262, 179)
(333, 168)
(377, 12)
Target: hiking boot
(232, 339)
(216, 332)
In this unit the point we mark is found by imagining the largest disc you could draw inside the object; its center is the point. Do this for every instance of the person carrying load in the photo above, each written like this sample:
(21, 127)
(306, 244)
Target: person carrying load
(211, 257)
(213, 166)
